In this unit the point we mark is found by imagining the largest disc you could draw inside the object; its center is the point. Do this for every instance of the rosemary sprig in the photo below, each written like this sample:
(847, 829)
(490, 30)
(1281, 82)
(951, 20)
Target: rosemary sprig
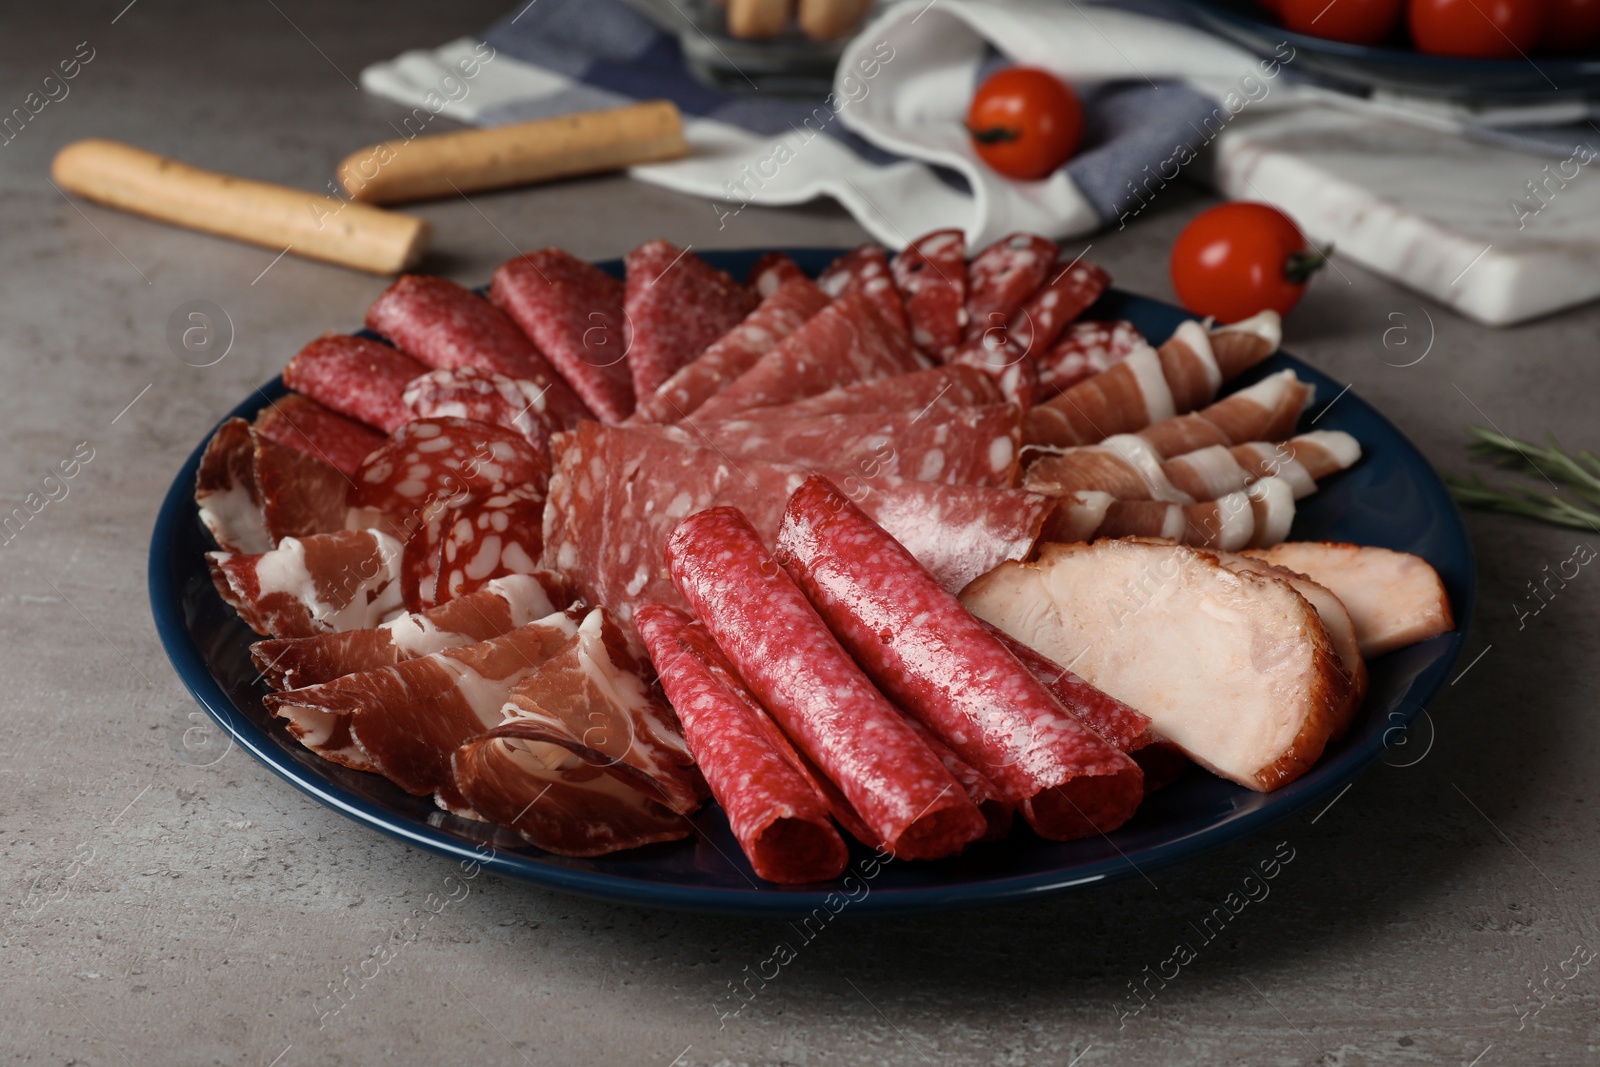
(1579, 474)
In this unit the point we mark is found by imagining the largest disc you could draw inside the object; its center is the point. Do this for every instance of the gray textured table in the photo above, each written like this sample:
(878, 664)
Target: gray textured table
(162, 908)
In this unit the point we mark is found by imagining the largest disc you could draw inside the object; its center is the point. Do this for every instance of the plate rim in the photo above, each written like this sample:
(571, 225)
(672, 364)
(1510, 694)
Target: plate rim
(195, 673)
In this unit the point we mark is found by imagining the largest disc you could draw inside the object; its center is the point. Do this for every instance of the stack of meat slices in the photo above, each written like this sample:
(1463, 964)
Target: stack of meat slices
(487, 549)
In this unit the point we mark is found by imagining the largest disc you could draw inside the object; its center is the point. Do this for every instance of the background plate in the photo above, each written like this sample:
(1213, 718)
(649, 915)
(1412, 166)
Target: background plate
(1391, 498)
(1396, 65)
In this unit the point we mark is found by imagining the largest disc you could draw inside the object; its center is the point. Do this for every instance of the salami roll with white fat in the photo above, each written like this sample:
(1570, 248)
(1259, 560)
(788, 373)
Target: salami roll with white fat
(935, 660)
(816, 692)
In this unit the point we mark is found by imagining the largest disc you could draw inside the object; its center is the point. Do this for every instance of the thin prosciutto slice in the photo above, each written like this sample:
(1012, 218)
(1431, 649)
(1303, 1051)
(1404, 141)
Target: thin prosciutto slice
(1265, 411)
(254, 492)
(586, 759)
(325, 583)
(501, 606)
(405, 721)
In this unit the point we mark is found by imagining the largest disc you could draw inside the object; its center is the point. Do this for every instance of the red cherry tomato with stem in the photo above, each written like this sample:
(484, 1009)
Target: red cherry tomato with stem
(1238, 259)
(1477, 29)
(1025, 122)
(1352, 21)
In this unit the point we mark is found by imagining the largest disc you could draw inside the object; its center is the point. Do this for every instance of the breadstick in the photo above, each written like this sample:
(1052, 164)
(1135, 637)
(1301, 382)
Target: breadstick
(449, 163)
(754, 19)
(273, 216)
(824, 20)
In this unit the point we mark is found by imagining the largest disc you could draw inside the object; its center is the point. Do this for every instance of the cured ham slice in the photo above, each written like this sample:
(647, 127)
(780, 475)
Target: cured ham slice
(306, 426)
(1300, 461)
(443, 325)
(1394, 598)
(770, 273)
(865, 270)
(932, 658)
(1123, 466)
(481, 396)
(953, 446)
(1265, 411)
(324, 583)
(586, 756)
(785, 653)
(844, 343)
(405, 721)
(617, 493)
(779, 315)
(773, 806)
(1002, 277)
(931, 274)
(1083, 350)
(355, 376)
(253, 492)
(1247, 681)
(1241, 345)
(1143, 388)
(502, 605)
(1038, 325)
(1258, 516)
(934, 388)
(677, 304)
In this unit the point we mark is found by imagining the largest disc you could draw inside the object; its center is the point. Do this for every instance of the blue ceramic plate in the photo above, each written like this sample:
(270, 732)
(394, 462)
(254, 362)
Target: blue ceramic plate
(1396, 65)
(1391, 498)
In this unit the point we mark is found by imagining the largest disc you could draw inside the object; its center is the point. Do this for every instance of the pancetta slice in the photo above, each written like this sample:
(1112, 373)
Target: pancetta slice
(254, 492)
(501, 606)
(324, 583)
(407, 719)
(587, 759)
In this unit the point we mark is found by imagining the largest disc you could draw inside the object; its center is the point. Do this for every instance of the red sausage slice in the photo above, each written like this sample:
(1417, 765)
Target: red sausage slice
(355, 376)
(931, 274)
(677, 304)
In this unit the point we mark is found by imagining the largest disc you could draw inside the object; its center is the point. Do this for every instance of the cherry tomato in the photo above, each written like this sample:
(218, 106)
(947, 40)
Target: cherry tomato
(1571, 27)
(1237, 259)
(1480, 29)
(1025, 122)
(1354, 21)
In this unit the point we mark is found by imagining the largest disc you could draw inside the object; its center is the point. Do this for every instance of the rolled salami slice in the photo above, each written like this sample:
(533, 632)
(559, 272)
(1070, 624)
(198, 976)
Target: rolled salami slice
(780, 820)
(785, 654)
(931, 389)
(405, 721)
(253, 492)
(953, 446)
(1054, 307)
(779, 315)
(573, 312)
(306, 426)
(997, 810)
(502, 605)
(355, 376)
(1084, 350)
(443, 325)
(617, 493)
(931, 274)
(940, 664)
(677, 305)
(772, 272)
(1002, 277)
(482, 396)
(844, 343)
(325, 583)
(865, 270)
(1265, 411)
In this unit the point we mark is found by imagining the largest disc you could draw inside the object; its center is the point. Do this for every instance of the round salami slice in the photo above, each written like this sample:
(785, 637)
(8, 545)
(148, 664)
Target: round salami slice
(306, 426)
(442, 324)
(814, 690)
(779, 819)
(955, 386)
(772, 272)
(1002, 277)
(932, 658)
(677, 304)
(1072, 287)
(931, 274)
(482, 396)
(355, 376)
(488, 539)
(865, 270)
(444, 462)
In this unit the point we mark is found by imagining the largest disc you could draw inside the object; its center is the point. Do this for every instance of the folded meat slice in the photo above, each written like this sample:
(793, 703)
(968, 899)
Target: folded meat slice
(1236, 668)
(1123, 465)
(1259, 515)
(587, 758)
(253, 492)
(501, 606)
(405, 721)
(1265, 411)
(1394, 598)
(1301, 461)
(324, 583)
